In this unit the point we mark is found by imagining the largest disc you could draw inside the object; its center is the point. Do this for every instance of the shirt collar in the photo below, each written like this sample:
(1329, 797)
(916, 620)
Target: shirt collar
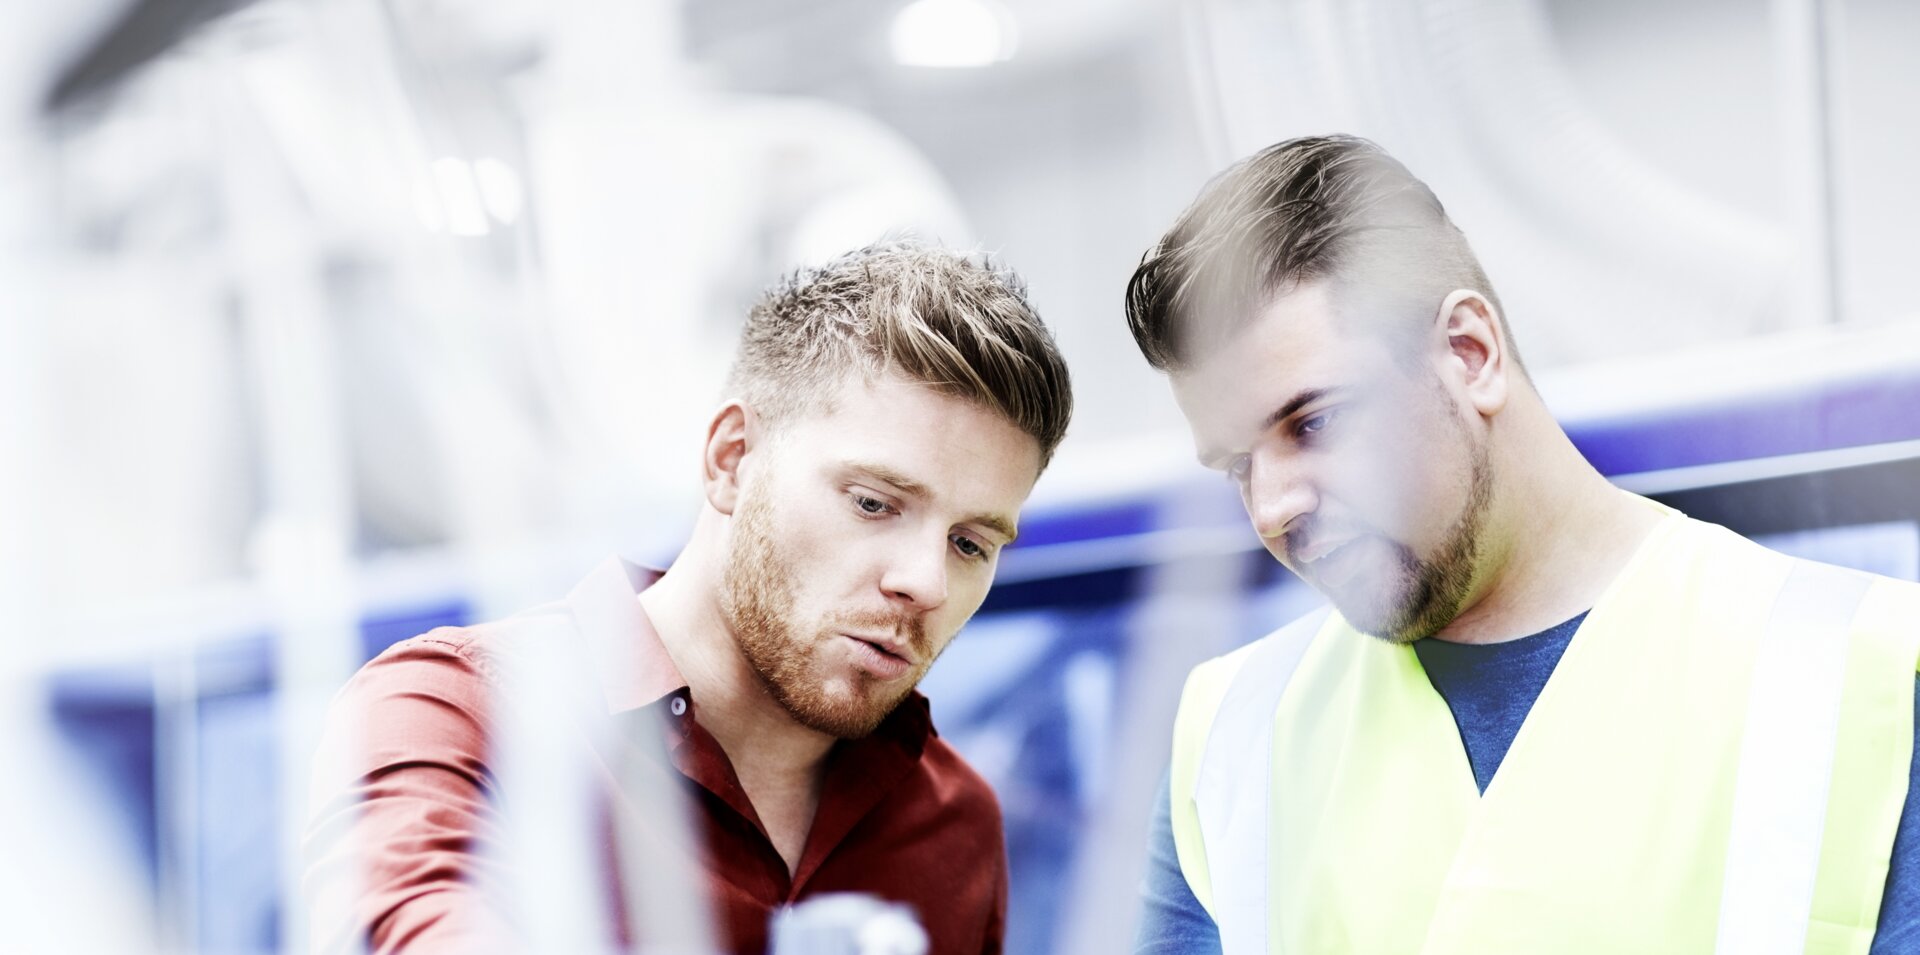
(910, 724)
(632, 664)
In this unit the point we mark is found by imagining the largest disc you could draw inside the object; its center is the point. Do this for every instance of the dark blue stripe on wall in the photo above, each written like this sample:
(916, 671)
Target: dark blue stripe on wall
(106, 713)
(379, 633)
(1843, 415)
(113, 733)
(236, 665)
(1086, 523)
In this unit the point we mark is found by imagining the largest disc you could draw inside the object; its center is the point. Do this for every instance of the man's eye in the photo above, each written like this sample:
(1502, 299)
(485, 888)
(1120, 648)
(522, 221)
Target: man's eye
(1316, 424)
(871, 505)
(968, 547)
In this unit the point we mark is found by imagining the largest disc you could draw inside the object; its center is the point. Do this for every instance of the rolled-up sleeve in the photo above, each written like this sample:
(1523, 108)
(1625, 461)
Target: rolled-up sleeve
(400, 848)
(1172, 921)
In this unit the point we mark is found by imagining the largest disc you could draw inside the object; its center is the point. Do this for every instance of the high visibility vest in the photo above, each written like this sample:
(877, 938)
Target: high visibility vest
(1717, 765)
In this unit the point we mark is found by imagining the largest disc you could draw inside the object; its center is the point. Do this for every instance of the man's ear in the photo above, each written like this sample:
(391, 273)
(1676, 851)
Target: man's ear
(1477, 349)
(734, 433)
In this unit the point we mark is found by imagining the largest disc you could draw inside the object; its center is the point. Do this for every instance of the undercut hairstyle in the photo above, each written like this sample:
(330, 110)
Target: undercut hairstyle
(957, 322)
(1334, 208)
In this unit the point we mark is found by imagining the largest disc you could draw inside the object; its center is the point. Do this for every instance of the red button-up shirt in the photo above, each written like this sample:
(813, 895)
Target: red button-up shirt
(404, 851)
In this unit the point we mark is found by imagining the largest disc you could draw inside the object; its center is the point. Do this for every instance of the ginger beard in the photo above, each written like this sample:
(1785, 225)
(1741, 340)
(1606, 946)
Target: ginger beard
(757, 598)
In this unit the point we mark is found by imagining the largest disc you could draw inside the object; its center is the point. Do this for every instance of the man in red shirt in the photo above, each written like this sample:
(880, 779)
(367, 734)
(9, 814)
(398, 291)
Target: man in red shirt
(889, 414)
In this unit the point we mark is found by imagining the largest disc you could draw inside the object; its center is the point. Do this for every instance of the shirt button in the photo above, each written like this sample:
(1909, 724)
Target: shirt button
(678, 706)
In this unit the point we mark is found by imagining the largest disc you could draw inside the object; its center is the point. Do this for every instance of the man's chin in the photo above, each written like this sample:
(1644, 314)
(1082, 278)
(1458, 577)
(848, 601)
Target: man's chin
(844, 715)
(841, 725)
(1391, 624)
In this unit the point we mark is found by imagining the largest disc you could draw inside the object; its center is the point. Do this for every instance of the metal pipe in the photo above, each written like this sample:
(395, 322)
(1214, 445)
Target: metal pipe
(1805, 36)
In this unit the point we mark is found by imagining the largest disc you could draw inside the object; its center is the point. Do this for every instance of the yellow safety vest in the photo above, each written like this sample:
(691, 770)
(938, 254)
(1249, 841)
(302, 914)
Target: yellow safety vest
(1717, 764)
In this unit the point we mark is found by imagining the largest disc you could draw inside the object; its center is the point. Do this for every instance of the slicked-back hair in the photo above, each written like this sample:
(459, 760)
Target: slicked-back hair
(1334, 208)
(957, 322)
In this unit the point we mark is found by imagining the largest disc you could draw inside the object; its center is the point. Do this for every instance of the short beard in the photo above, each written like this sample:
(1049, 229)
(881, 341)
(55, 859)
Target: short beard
(756, 597)
(1436, 589)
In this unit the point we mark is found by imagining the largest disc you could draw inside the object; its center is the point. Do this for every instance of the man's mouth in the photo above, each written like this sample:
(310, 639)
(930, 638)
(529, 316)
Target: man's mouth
(885, 658)
(1340, 566)
(1319, 548)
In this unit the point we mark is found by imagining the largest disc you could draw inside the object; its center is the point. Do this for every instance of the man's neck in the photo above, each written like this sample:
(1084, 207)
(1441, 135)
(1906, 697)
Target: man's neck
(780, 763)
(1564, 536)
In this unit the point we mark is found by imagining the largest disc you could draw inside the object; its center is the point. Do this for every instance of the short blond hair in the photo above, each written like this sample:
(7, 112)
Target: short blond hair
(955, 321)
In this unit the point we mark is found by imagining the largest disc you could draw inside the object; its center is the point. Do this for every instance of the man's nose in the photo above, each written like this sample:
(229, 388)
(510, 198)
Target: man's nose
(916, 574)
(1277, 492)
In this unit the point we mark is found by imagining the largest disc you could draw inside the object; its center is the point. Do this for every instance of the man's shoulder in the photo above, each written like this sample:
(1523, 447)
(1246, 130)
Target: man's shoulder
(1885, 615)
(1211, 677)
(1728, 542)
(473, 650)
(955, 784)
(951, 772)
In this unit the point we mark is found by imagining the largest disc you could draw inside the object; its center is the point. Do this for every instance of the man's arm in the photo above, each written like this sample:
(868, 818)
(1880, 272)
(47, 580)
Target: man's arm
(398, 847)
(1899, 929)
(996, 939)
(1172, 921)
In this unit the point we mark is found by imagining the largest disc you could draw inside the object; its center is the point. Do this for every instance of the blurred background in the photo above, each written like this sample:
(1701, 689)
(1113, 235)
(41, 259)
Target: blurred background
(323, 322)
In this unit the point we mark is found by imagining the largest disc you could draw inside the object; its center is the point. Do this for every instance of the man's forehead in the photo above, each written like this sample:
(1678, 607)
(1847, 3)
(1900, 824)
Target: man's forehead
(1250, 368)
(949, 451)
(1224, 412)
(1294, 349)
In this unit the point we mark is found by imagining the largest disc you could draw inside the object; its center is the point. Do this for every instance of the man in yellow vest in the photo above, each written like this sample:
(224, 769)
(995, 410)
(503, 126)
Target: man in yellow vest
(1702, 746)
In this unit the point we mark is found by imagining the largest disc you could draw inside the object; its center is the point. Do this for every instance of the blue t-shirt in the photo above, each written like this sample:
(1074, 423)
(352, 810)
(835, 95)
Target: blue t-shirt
(1489, 687)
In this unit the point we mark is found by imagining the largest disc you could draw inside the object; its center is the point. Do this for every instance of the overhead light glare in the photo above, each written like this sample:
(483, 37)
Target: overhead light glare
(460, 197)
(953, 34)
(499, 188)
(450, 199)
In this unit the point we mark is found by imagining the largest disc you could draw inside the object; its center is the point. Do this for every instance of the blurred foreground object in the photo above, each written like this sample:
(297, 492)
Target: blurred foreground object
(847, 924)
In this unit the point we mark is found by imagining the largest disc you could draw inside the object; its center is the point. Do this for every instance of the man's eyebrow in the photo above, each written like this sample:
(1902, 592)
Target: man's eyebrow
(1287, 409)
(906, 485)
(1303, 398)
(998, 525)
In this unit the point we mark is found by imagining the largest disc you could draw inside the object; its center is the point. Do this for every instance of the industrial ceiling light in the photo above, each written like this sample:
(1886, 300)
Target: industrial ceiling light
(953, 33)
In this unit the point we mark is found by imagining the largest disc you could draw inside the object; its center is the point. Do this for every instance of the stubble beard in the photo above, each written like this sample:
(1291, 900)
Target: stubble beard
(1432, 591)
(757, 597)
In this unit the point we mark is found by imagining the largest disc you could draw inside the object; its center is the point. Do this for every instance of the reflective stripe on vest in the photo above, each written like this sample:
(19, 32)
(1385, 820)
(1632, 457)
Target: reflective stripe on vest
(1780, 795)
(1231, 792)
(1786, 763)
